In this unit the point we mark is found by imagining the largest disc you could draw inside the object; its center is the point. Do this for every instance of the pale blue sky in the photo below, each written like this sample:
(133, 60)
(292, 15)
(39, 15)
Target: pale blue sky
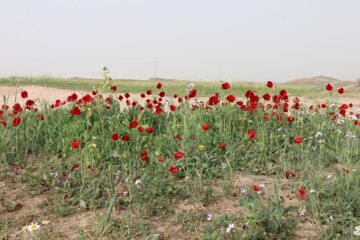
(191, 39)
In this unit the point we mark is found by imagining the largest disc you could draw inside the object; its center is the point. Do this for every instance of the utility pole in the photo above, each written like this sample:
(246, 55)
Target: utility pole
(220, 76)
(155, 69)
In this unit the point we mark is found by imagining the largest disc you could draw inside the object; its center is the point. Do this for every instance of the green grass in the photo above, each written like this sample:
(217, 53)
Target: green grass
(137, 199)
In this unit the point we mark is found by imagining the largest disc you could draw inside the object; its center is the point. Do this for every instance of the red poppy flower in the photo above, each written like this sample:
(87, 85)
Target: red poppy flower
(205, 127)
(301, 194)
(114, 88)
(178, 137)
(251, 134)
(343, 112)
(41, 117)
(269, 84)
(289, 174)
(230, 98)
(115, 136)
(3, 122)
(257, 188)
(120, 97)
(179, 155)
(283, 94)
(30, 103)
(149, 130)
(16, 121)
(75, 111)
(214, 100)
(276, 99)
(162, 94)
(108, 100)
(174, 170)
(75, 166)
(222, 145)
(144, 155)
(162, 159)
(172, 108)
(290, 118)
(87, 98)
(73, 97)
(266, 117)
(24, 94)
(298, 140)
(140, 129)
(192, 93)
(75, 144)
(266, 97)
(17, 108)
(158, 111)
(225, 85)
(159, 86)
(329, 87)
(148, 92)
(133, 124)
(341, 90)
(125, 138)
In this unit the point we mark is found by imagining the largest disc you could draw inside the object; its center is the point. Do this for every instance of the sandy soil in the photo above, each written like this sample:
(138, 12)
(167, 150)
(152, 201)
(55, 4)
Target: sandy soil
(50, 95)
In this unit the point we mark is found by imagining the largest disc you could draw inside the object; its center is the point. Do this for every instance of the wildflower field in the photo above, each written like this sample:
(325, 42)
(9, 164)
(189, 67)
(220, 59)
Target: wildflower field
(260, 165)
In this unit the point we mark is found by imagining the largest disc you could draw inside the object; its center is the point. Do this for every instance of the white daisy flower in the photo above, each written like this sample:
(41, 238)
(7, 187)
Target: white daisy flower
(353, 118)
(45, 222)
(244, 191)
(312, 190)
(340, 121)
(33, 227)
(318, 134)
(302, 213)
(230, 227)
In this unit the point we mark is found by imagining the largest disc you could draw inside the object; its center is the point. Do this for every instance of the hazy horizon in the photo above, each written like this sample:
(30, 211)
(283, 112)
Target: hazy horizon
(201, 41)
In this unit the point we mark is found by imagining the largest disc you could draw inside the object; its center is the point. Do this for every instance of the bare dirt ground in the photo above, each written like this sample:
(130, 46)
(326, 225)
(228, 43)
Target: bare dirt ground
(47, 94)
(19, 204)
